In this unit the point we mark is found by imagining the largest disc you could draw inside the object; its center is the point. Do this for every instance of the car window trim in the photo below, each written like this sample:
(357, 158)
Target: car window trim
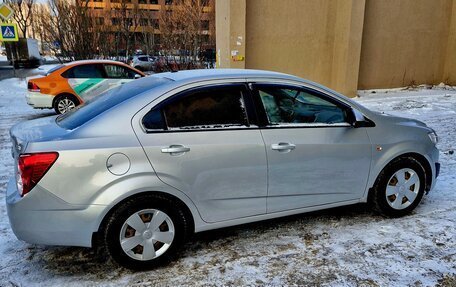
(263, 118)
(251, 114)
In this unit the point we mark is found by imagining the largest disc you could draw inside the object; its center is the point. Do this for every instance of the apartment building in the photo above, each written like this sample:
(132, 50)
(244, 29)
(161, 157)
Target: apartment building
(143, 17)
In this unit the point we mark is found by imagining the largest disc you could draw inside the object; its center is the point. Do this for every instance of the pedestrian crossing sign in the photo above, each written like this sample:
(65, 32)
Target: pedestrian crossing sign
(8, 32)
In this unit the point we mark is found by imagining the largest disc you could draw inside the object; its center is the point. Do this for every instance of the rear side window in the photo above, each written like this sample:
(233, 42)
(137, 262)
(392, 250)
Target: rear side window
(209, 108)
(106, 101)
(119, 72)
(84, 71)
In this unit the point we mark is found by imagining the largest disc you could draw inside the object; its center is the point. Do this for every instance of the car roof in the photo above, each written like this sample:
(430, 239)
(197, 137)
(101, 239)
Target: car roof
(208, 74)
(82, 62)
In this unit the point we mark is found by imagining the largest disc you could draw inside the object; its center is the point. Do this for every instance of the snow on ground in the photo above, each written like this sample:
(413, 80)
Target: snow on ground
(339, 247)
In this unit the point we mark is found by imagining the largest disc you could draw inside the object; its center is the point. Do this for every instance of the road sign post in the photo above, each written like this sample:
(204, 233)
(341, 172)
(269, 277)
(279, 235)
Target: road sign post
(8, 31)
(5, 12)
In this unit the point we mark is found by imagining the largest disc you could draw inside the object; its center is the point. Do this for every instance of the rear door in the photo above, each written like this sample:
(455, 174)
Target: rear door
(86, 80)
(315, 157)
(202, 142)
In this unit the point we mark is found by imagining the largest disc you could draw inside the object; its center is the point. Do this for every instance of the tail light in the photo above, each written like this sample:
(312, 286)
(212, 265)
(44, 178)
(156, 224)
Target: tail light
(31, 168)
(32, 87)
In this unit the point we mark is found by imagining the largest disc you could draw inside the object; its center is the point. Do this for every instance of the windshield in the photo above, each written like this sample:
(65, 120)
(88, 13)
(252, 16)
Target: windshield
(106, 101)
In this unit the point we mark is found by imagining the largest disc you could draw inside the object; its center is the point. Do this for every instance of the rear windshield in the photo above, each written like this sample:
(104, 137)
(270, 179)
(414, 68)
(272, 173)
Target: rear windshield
(58, 67)
(106, 101)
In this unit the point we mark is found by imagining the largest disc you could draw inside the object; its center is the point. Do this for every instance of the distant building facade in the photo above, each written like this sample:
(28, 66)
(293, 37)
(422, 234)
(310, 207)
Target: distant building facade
(143, 19)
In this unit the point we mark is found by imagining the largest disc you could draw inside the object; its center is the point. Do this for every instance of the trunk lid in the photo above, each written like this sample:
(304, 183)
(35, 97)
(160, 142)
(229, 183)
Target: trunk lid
(37, 130)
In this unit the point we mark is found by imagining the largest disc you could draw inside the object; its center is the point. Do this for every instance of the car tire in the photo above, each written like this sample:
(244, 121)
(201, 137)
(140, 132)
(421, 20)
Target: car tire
(132, 236)
(65, 103)
(139, 68)
(399, 188)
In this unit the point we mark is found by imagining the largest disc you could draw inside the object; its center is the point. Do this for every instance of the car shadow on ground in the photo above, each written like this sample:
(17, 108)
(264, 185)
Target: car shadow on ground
(75, 261)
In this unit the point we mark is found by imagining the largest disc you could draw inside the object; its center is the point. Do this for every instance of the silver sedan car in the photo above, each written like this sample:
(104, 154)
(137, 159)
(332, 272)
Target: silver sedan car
(145, 165)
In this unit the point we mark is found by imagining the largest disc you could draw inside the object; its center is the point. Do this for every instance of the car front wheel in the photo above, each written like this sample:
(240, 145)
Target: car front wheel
(399, 187)
(145, 232)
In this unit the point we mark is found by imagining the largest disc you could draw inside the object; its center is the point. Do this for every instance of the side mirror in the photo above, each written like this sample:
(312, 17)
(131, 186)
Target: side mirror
(137, 76)
(358, 120)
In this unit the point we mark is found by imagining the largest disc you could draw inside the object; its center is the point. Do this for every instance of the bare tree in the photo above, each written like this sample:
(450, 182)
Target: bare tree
(70, 29)
(182, 31)
(147, 28)
(22, 13)
(128, 21)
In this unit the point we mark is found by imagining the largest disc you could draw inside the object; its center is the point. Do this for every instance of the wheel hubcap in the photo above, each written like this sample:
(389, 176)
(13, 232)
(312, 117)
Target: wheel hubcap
(147, 234)
(65, 105)
(402, 188)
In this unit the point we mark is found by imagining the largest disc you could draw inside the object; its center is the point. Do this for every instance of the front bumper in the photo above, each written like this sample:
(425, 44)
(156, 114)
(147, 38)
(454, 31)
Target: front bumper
(39, 100)
(42, 218)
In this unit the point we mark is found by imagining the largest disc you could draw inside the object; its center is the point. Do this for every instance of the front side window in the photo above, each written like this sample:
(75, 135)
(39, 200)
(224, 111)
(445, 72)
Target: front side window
(210, 108)
(119, 72)
(84, 71)
(298, 106)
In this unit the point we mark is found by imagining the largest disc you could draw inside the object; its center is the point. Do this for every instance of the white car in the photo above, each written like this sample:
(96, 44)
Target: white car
(143, 63)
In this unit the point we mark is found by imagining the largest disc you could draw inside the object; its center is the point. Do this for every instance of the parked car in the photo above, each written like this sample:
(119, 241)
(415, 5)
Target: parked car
(66, 86)
(145, 165)
(143, 63)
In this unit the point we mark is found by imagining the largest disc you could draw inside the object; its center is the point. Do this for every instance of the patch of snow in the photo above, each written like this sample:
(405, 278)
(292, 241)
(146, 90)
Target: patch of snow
(338, 247)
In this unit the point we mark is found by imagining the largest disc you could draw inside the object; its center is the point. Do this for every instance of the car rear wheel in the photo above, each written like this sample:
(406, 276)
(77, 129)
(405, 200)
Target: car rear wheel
(65, 103)
(146, 232)
(399, 187)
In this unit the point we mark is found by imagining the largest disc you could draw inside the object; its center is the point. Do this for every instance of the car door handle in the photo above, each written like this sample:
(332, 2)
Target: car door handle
(283, 147)
(175, 149)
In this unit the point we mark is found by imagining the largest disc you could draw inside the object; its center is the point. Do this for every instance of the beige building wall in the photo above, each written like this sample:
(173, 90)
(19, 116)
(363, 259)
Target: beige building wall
(316, 39)
(449, 75)
(404, 42)
(344, 44)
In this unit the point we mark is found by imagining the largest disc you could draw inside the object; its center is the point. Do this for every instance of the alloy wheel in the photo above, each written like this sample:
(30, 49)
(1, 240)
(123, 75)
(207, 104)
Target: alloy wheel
(65, 105)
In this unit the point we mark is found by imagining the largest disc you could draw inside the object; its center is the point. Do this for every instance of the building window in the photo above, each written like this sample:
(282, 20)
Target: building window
(115, 21)
(99, 21)
(144, 22)
(155, 23)
(205, 39)
(205, 25)
(168, 2)
(153, 1)
(204, 2)
(142, 1)
(157, 39)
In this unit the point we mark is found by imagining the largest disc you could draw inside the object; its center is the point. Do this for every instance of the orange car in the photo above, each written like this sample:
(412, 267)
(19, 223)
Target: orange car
(69, 85)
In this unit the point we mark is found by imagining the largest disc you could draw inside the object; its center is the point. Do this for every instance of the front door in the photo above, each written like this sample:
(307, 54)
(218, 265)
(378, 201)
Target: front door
(202, 143)
(314, 156)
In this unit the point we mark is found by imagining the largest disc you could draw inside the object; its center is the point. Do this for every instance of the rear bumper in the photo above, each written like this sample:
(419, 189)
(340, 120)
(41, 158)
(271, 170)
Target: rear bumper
(42, 218)
(39, 100)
